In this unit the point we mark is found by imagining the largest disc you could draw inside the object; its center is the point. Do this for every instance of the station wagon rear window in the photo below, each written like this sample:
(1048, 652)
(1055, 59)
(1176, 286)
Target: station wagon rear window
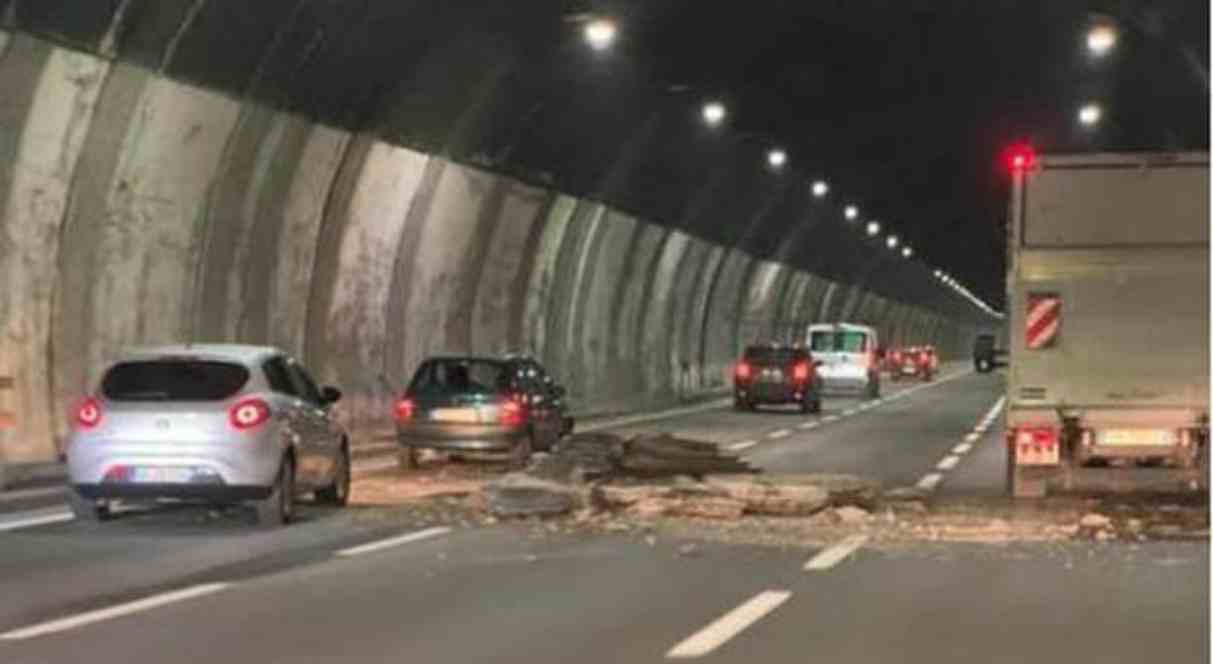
(461, 376)
(173, 380)
(839, 342)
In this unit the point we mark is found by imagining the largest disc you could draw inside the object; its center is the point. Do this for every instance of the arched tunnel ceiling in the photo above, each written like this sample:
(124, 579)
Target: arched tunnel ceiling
(900, 105)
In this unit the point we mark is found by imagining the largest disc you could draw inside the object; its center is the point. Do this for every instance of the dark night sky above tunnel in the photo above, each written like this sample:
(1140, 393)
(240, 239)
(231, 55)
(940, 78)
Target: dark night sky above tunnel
(904, 105)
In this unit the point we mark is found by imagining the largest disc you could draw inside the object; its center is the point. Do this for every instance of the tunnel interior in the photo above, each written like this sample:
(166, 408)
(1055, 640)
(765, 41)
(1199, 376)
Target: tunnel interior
(365, 183)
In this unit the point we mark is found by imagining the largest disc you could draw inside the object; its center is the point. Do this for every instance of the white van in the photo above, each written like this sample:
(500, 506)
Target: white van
(848, 355)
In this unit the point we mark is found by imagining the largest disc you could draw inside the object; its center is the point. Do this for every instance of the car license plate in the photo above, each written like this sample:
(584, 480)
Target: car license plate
(461, 415)
(160, 475)
(1135, 437)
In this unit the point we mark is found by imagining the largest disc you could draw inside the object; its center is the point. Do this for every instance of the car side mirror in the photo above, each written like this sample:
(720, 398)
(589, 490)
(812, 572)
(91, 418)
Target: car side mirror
(330, 395)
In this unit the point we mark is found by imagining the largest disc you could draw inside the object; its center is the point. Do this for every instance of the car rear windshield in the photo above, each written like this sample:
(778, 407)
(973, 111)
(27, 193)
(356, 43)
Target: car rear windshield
(173, 380)
(839, 342)
(461, 376)
(772, 355)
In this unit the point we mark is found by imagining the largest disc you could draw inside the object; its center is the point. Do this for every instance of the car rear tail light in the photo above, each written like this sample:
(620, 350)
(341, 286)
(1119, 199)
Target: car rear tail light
(800, 372)
(249, 414)
(743, 371)
(88, 413)
(1038, 437)
(513, 413)
(404, 410)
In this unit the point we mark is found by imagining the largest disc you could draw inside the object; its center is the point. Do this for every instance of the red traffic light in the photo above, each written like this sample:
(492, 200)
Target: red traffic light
(1020, 157)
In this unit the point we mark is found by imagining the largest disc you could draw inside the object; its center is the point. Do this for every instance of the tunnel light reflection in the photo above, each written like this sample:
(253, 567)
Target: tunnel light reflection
(600, 33)
(820, 188)
(776, 158)
(714, 113)
(851, 212)
(873, 228)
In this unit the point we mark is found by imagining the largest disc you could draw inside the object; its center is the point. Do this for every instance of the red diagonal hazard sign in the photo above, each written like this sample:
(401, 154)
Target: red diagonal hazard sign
(1043, 320)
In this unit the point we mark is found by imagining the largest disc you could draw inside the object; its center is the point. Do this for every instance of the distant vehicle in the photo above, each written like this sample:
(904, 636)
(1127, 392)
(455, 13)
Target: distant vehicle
(984, 354)
(776, 374)
(1108, 272)
(496, 405)
(915, 362)
(208, 423)
(850, 358)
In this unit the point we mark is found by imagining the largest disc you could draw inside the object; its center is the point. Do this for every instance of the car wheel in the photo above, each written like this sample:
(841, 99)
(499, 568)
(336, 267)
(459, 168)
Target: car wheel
(521, 454)
(409, 458)
(338, 493)
(87, 510)
(278, 508)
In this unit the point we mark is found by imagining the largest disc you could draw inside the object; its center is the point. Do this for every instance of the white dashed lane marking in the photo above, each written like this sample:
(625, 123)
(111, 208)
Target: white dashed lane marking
(835, 554)
(393, 541)
(90, 617)
(972, 437)
(929, 482)
(35, 518)
(948, 463)
(741, 445)
(809, 425)
(830, 418)
(719, 631)
(782, 433)
(962, 448)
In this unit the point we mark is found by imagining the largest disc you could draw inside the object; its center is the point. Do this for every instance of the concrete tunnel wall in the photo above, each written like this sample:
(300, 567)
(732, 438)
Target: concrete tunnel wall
(140, 209)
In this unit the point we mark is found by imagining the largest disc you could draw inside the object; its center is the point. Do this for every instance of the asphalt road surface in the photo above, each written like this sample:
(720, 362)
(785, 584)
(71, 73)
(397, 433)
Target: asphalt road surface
(180, 585)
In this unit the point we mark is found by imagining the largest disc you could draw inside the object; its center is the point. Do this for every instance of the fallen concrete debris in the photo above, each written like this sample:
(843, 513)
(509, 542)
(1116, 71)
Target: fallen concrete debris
(518, 494)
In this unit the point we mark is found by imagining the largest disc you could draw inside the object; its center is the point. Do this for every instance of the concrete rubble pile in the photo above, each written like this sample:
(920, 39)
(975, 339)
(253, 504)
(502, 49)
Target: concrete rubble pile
(661, 475)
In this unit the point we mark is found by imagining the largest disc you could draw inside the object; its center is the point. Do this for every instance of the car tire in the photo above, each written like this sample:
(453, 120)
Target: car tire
(409, 458)
(337, 494)
(278, 508)
(87, 510)
(520, 456)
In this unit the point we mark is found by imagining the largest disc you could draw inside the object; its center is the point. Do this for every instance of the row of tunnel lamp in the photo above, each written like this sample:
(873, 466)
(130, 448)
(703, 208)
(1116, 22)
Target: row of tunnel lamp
(600, 33)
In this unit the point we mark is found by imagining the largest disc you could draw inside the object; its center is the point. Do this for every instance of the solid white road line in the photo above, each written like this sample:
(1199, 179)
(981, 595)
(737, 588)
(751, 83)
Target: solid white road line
(782, 433)
(743, 445)
(90, 617)
(962, 448)
(972, 437)
(394, 541)
(929, 482)
(835, 554)
(372, 465)
(948, 463)
(809, 425)
(30, 494)
(653, 417)
(38, 518)
(729, 625)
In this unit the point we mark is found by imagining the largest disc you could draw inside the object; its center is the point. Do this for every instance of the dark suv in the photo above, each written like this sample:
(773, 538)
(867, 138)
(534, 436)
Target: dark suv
(498, 405)
(776, 374)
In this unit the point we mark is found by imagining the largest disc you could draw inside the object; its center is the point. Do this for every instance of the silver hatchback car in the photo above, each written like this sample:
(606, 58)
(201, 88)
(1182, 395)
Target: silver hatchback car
(208, 423)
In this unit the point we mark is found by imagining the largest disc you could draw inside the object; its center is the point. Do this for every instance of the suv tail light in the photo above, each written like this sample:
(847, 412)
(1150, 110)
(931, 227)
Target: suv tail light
(743, 370)
(88, 413)
(513, 413)
(404, 410)
(800, 372)
(249, 414)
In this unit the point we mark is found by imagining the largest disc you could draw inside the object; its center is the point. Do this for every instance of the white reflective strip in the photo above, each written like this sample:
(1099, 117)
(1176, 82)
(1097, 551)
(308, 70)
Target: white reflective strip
(1044, 336)
(99, 615)
(394, 541)
(1042, 308)
(719, 631)
(835, 554)
(31, 519)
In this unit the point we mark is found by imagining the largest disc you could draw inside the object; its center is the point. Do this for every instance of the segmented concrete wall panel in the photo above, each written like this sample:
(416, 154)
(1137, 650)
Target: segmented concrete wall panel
(140, 209)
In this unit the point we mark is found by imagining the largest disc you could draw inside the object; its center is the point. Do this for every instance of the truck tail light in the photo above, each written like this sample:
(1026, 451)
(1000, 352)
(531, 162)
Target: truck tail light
(513, 413)
(1037, 437)
(404, 410)
(800, 372)
(88, 413)
(743, 370)
(248, 414)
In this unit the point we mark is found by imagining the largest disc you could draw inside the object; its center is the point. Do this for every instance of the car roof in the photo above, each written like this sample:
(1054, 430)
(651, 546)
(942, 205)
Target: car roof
(241, 353)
